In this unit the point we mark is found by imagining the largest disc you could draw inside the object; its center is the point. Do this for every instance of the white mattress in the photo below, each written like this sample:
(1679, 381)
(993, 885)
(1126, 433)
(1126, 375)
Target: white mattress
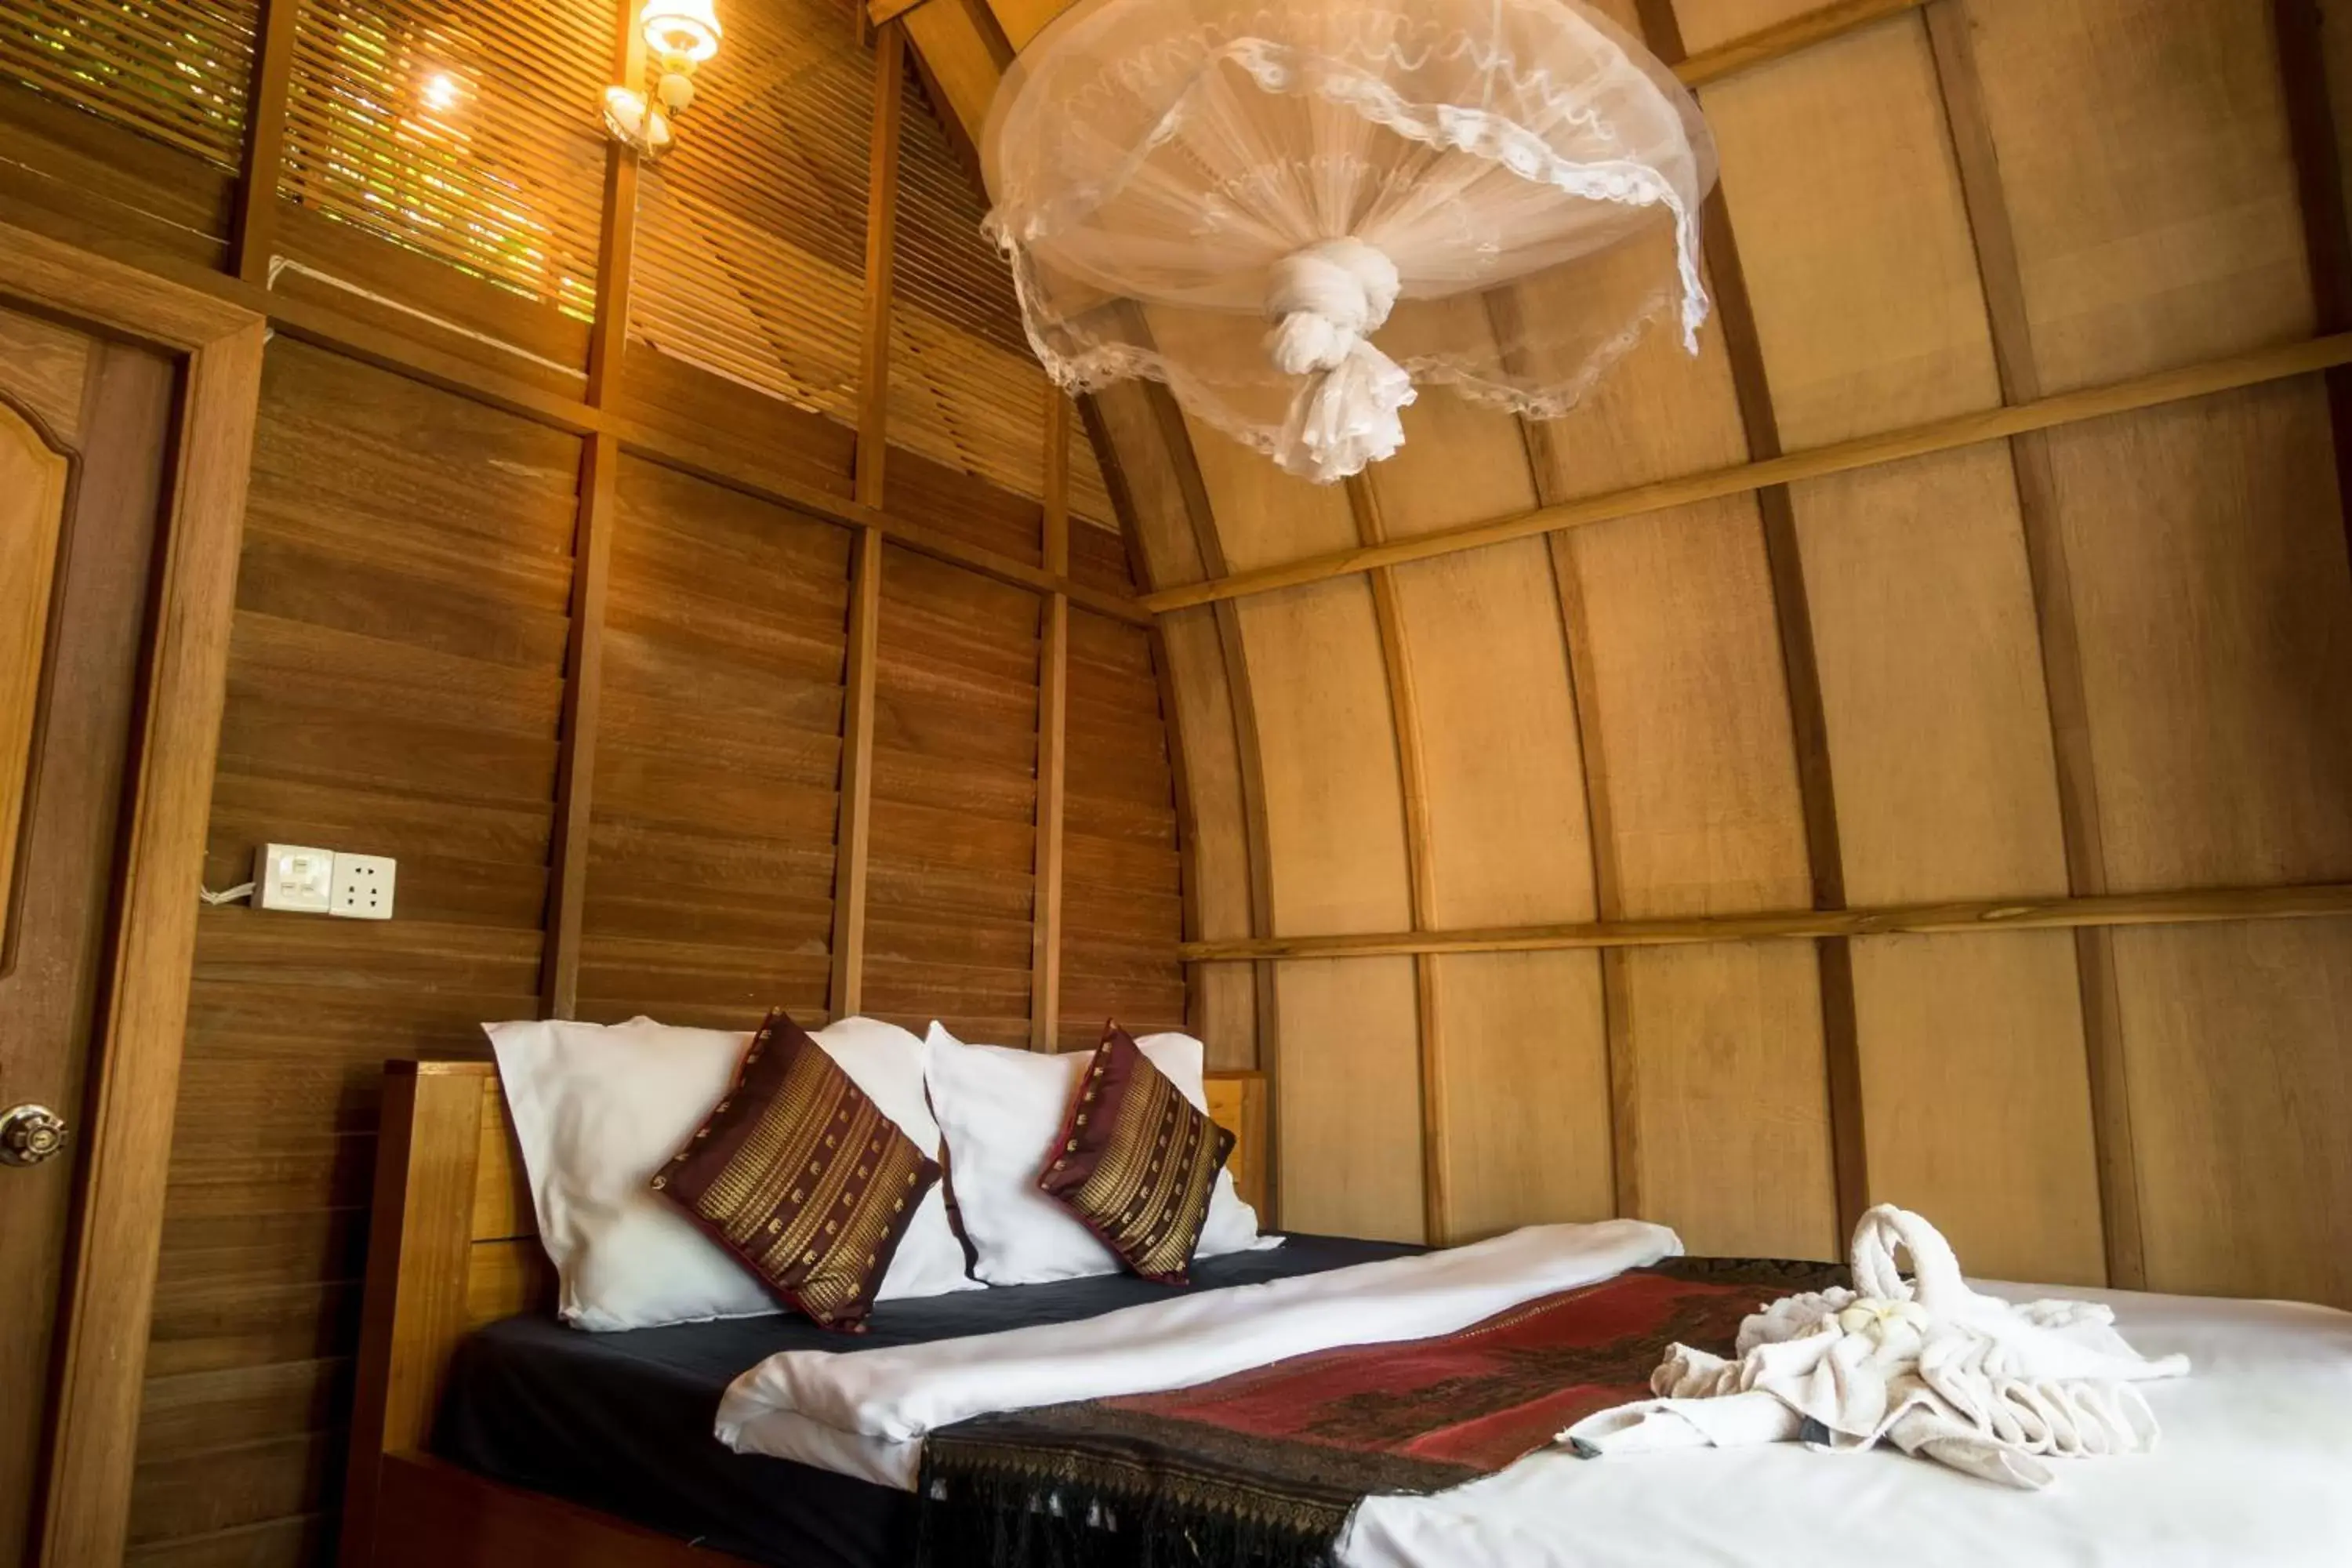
(2254, 1471)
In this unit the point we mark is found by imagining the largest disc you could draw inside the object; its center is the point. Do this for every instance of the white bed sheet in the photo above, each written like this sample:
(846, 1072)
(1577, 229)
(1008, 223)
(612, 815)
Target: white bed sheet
(2254, 1471)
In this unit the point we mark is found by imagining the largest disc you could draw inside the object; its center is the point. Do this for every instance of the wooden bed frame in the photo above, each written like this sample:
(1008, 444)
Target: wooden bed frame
(453, 1245)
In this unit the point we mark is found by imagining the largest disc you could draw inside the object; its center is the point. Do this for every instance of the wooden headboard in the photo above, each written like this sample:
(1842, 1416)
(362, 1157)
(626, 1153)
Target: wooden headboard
(453, 1243)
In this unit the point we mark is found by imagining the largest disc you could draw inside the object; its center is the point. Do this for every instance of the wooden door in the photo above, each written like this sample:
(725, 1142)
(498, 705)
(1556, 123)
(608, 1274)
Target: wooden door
(85, 431)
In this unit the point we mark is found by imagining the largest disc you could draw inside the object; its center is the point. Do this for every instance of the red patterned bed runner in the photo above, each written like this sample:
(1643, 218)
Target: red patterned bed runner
(1260, 1469)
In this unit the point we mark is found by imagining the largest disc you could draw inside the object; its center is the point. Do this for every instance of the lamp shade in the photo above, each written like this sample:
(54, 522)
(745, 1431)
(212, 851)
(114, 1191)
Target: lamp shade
(680, 29)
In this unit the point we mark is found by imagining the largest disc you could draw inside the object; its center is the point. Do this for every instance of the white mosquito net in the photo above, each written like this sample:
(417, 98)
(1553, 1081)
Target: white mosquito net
(1170, 176)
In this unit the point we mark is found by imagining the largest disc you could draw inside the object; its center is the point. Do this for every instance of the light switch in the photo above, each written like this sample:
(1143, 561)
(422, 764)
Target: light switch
(293, 877)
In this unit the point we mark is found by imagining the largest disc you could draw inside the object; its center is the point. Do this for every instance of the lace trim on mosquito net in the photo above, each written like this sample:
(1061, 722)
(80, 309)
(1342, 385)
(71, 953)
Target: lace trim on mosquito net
(1096, 361)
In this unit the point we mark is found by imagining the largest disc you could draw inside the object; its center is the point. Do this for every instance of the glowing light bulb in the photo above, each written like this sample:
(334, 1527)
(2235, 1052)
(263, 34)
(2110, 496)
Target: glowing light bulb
(442, 93)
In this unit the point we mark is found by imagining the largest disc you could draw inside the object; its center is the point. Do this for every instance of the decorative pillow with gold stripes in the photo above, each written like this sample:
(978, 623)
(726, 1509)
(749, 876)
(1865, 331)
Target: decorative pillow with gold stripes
(1136, 1161)
(800, 1177)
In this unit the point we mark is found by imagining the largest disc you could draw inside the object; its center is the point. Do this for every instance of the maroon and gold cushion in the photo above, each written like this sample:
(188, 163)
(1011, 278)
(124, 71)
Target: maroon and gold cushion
(799, 1174)
(1136, 1161)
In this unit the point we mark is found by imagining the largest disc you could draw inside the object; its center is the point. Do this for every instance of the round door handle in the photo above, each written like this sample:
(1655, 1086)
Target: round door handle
(30, 1134)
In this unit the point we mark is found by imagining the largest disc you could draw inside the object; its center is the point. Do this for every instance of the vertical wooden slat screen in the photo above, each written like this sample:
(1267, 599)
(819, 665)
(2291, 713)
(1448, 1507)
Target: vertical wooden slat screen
(752, 234)
(466, 131)
(712, 865)
(951, 882)
(1122, 896)
(967, 392)
(172, 69)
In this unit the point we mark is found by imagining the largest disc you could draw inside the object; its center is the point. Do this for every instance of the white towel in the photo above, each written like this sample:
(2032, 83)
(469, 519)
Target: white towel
(1933, 1368)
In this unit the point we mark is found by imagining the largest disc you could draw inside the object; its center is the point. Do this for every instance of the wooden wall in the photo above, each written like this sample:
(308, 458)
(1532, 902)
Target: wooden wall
(1914, 819)
(574, 633)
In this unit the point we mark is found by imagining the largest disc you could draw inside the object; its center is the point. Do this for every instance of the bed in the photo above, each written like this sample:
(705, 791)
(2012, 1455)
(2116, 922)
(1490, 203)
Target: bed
(485, 1433)
(457, 1346)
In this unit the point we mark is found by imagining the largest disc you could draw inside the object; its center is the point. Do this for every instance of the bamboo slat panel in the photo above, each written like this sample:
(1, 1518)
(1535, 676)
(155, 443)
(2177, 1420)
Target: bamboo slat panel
(463, 130)
(175, 70)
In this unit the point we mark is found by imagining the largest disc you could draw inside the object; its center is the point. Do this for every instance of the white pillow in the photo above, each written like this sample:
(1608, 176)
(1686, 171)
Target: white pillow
(1001, 1110)
(597, 1110)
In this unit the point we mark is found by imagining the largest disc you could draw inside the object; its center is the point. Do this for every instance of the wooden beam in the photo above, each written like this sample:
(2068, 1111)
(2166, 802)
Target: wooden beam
(1782, 39)
(2198, 907)
(591, 564)
(881, 253)
(265, 142)
(1978, 161)
(885, 11)
(591, 571)
(2252, 369)
(853, 841)
(2319, 191)
(1396, 658)
(1052, 740)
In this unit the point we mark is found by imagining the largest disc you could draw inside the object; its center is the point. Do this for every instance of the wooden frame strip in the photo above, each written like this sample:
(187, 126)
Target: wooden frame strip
(592, 570)
(1396, 660)
(2228, 375)
(1782, 39)
(253, 235)
(1053, 739)
(110, 1289)
(2197, 907)
(853, 840)
(1979, 163)
(881, 255)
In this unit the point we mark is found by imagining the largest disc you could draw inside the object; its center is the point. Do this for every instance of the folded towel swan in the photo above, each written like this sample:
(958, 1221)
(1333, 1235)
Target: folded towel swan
(1930, 1366)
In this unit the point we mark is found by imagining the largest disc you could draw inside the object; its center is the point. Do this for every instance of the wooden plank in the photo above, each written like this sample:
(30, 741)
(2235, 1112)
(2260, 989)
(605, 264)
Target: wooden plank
(1755, 392)
(1728, 1095)
(2199, 907)
(2240, 1092)
(881, 253)
(1396, 660)
(1974, 1045)
(1348, 1129)
(1238, 1103)
(2063, 409)
(854, 841)
(2008, 314)
(252, 235)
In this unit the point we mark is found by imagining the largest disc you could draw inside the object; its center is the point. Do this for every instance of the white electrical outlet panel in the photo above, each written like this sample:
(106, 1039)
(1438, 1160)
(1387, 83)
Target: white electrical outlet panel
(293, 877)
(362, 886)
(301, 879)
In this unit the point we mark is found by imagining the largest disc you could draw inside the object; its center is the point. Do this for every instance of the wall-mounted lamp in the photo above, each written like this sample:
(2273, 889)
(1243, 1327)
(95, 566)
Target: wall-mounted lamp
(679, 35)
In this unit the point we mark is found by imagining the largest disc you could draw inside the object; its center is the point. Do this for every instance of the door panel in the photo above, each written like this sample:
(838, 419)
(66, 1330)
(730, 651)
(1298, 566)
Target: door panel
(78, 556)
